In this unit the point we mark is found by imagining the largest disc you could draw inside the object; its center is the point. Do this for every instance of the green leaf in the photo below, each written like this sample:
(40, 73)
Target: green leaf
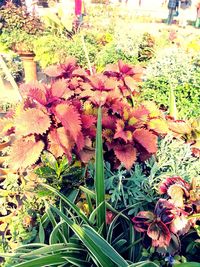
(43, 261)
(98, 247)
(78, 262)
(172, 103)
(94, 213)
(49, 160)
(144, 264)
(46, 250)
(41, 233)
(107, 249)
(99, 176)
(56, 233)
(30, 246)
(88, 191)
(188, 264)
(78, 211)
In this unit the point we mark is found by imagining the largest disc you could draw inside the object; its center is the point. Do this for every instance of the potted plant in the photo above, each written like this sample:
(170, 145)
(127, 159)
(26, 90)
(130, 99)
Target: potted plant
(18, 32)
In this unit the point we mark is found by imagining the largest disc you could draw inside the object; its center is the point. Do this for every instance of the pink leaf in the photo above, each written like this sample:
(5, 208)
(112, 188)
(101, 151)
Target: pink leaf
(70, 119)
(88, 121)
(24, 153)
(32, 121)
(58, 88)
(60, 142)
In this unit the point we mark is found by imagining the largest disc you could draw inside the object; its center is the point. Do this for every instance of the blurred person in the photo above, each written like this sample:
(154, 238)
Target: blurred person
(197, 24)
(184, 8)
(80, 12)
(173, 9)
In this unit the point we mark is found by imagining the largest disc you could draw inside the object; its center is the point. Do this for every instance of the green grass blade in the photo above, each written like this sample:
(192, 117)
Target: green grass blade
(97, 246)
(54, 236)
(78, 262)
(89, 202)
(94, 213)
(50, 215)
(88, 192)
(99, 176)
(46, 250)
(188, 264)
(65, 228)
(78, 211)
(144, 264)
(43, 261)
(105, 246)
(172, 103)
(41, 233)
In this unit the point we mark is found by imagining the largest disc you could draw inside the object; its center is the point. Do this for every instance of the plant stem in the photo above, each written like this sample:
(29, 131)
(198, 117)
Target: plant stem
(172, 103)
(86, 55)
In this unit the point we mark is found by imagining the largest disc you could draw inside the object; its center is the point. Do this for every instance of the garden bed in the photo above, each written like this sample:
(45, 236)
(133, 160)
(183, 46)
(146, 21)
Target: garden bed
(100, 164)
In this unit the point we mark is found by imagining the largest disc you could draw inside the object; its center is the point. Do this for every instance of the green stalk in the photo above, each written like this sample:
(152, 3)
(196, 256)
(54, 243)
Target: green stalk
(172, 103)
(86, 55)
(99, 177)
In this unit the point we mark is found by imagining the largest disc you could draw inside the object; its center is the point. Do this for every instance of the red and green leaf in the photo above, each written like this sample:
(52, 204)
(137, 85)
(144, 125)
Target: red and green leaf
(58, 88)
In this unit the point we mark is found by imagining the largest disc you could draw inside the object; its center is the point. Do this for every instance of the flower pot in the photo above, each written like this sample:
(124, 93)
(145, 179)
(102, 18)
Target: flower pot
(30, 68)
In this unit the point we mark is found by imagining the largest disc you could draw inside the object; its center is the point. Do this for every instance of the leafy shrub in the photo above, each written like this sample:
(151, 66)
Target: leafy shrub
(173, 68)
(66, 110)
(137, 189)
(17, 18)
(17, 40)
(146, 47)
(75, 49)
(56, 50)
(20, 211)
(110, 54)
(50, 50)
(81, 239)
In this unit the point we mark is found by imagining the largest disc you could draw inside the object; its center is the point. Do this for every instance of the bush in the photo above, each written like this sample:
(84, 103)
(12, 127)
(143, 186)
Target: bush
(173, 67)
(53, 50)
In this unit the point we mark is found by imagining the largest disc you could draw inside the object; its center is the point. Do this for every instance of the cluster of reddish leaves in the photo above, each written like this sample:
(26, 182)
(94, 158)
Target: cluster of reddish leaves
(170, 216)
(61, 116)
(189, 131)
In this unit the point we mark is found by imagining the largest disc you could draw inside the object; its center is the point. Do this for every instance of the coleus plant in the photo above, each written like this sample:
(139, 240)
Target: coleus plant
(188, 130)
(172, 217)
(61, 116)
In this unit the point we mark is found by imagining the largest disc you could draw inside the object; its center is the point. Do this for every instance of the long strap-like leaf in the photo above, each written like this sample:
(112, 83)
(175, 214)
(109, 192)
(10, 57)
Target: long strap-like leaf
(98, 247)
(99, 177)
(78, 211)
